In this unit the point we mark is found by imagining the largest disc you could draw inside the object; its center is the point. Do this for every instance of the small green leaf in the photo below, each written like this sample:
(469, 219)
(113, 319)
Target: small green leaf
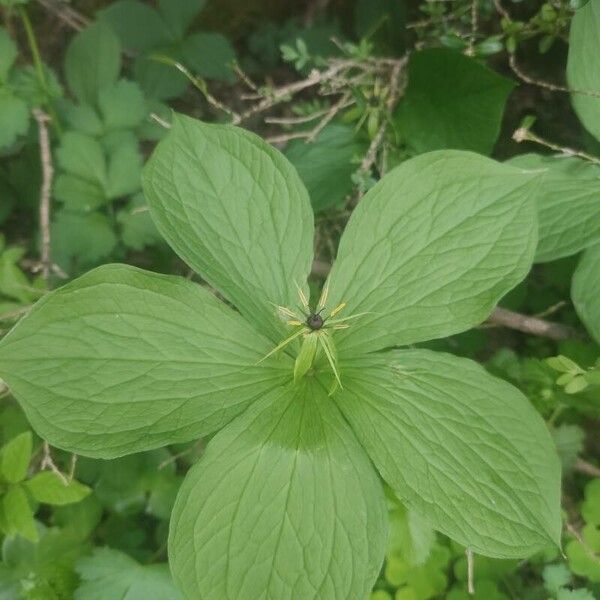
(568, 202)
(92, 61)
(16, 516)
(14, 458)
(283, 504)
(452, 101)
(139, 26)
(137, 227)
(122, 360)
(82, 155)
(431, 249)
(463, 449)
(157, 80)
(84, 119)
(122, 105)
(14, 117)
(209, 55)
(25, 84)
(124, 171)
(81, 240)
(111, 575)
(562, 364)
(48, 488)
(577, 384)
(555, 577)
(326, 165)
(583, 65)
(8, 54)
(236, 211)
(79, 194)
(179, 14)
(569, 444)
(585, 290)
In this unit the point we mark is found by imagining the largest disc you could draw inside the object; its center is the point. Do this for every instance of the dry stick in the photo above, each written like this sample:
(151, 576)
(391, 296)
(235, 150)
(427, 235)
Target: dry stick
(525, 135)
(582, 466)
(470, 571)
(474, 26)
(42, 120)
(329, 115)
(66, 14)
(501, 316)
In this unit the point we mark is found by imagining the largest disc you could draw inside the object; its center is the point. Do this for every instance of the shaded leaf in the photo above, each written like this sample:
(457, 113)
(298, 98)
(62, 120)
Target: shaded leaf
(585, 290)
(48, 488)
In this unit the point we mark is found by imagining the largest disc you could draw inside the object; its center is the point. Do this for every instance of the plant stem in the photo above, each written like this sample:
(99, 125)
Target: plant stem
(39, 67)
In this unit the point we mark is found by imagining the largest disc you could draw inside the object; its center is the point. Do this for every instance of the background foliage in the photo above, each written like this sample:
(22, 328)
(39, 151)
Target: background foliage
(333, 85)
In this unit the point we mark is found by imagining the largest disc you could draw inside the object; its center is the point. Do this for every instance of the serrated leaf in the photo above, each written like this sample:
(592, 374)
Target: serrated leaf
(159, 81)
(92, 61)
(451, 101)
(138, 25)
(555, 577)
(465, 450)
(83, 118)
(137, 227)
(122, 105)
(8, 54)
(48, 488)
(143, 360)
(585, 290)
(209, 55)
(16, 516)
(124, 171)
(179, 14)
(568, 201)
(236, 211)
(82, 155)
(14, 458)
(14, 117)
(79, 194)
(430, 250)
(284, 504)
(583, 65)
(81, 239)
(112, 575)
(326, 165)
(25, 83)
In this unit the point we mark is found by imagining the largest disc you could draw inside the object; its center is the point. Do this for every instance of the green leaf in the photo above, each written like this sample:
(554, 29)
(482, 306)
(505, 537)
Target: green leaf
(284, 504)
(137, 227)
(124, 171)
(122, 105)
(84, 119)
(112, 575)
(48, 488)
(139, 26)
(569, 444)
(16, 516)
(79, 194)
(82, 155)
(465, 450)
(13, 282)
(236, 211)
(568, 203)
(431, 249)
(326, 165)
(14, 458)
(8, 54)
(25, 83)
(556, 576)
(209, 55)
(159, 81)
(452, 101)
(583, 65)
(14, 117)
(179, 14)
(585, 290)
(81, 239)
(92, 61)
(122, 360)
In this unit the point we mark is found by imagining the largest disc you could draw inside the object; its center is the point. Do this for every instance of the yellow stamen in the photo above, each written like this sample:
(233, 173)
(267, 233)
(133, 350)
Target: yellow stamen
(323, 299)
(337, 309)
(287, 312)
(295, 322)
(303, 299)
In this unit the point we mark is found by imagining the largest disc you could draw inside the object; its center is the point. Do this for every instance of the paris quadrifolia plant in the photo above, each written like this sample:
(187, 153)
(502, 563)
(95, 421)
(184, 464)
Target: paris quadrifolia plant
(312, 403)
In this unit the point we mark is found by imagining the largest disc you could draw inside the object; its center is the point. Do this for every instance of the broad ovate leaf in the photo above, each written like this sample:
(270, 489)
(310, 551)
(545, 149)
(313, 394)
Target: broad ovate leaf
(431, 249)
(237, 212)
(122, 360)
(92, 61)
(209, 55)
(283, 505)
(451, 101)
(583, 65)
(179, 14)
(463, 449)
(585, 290)
(568, 203)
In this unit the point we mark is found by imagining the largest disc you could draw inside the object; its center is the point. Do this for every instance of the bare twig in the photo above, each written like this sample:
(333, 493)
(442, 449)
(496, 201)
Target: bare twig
(470, 571)
(160, 121)
(329, 115)
(474, 27)
(48, 463)
(588, 550)
(45, 190)
(501, 317)
(65, 13)
(522, 134)
(582, 466)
